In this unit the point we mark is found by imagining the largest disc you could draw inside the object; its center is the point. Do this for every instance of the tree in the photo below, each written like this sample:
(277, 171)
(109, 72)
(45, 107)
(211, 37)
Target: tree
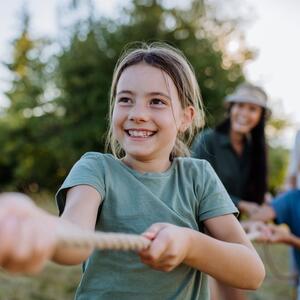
(85, 67)
(46, 136)
(26, 157)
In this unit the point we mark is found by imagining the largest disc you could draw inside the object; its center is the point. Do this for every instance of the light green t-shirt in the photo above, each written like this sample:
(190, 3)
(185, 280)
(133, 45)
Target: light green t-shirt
(188, 193)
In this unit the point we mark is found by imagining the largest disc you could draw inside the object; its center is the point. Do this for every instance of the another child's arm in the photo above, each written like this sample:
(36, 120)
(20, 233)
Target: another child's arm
(29, 236)
(226, 255)
(280, 234)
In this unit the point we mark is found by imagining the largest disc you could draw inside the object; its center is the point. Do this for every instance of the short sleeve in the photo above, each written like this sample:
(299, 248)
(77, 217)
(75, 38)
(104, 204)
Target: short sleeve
(214, 199)
(87, 171)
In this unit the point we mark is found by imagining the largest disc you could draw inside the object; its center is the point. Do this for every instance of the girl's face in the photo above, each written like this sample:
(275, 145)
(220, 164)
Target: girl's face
(244, 117)
(147, 114)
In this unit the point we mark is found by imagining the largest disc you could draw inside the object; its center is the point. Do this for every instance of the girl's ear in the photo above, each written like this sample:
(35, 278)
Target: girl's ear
(187, 118)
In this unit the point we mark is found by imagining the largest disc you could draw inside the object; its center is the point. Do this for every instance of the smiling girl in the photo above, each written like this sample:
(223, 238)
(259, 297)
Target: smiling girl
(148, 186)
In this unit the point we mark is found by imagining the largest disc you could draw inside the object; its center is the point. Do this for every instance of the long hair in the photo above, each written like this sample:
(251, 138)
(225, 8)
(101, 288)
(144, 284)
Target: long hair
(172, 62)
(257, 184)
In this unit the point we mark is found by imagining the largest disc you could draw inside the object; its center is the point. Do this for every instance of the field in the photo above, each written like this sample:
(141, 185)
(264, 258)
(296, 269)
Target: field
(59, 283)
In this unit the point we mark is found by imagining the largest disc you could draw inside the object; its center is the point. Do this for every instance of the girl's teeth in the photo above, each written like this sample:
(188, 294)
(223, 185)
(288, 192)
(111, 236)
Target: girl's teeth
(138, 133)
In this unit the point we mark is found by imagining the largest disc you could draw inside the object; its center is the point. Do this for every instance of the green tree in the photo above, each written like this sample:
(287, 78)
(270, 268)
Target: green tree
(24, 126)
(47, 136)
(86, 64)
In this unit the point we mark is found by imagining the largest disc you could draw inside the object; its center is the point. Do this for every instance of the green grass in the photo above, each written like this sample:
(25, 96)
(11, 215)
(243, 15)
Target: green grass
(59, 282)
(54, 283)
(274, 287)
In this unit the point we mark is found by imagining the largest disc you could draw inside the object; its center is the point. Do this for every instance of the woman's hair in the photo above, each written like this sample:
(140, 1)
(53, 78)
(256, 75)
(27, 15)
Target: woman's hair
(172, 62)
(257, 184)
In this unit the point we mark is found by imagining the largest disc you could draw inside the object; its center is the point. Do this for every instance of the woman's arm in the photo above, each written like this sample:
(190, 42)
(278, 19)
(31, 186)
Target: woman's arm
(227, 254)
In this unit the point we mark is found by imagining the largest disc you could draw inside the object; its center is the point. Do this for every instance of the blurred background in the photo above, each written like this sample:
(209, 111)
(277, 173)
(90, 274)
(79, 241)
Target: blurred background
(57, 59)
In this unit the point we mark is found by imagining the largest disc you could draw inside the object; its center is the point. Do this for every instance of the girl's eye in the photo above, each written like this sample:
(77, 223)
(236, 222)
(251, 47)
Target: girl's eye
(124, 100)
(158, 102)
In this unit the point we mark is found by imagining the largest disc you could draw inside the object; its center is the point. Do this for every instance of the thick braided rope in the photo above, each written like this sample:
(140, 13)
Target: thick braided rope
(104, 241)
(111, 241)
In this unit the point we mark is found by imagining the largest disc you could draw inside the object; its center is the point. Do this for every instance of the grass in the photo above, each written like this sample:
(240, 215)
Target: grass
(59, 282)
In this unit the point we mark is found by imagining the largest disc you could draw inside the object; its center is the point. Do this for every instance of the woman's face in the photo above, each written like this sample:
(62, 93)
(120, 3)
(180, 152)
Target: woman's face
(244, 117)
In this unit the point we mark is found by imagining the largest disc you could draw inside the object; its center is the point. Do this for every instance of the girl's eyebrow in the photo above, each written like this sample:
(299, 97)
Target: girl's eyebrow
(125, 92)
(160, 94)
(149, 94)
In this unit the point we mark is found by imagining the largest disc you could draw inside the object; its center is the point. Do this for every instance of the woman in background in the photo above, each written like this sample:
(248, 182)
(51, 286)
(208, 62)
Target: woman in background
(236, 149)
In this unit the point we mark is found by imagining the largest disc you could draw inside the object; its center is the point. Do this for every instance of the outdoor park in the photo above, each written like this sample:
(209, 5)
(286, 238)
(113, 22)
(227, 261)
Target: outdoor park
(57, 106)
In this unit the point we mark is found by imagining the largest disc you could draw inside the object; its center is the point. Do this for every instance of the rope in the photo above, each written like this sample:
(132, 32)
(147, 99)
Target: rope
(104, 241)
(269, 260)
(273, 268)
(110, 241)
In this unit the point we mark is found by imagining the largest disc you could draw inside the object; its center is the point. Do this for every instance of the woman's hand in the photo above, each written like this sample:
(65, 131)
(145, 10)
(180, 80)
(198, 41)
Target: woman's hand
(278, 234)
(249, 208)
(256, 230)
(169, 246)
(27, 234)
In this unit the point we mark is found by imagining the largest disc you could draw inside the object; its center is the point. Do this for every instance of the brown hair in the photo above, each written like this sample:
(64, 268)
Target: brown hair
(172, 62)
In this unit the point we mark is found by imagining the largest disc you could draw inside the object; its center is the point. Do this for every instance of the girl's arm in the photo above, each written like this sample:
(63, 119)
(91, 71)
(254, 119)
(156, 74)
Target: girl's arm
(229, 249)
(226, 255)
(80, 212)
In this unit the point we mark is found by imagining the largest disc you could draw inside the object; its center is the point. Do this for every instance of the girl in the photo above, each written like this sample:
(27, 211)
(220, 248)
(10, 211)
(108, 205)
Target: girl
(148, 186)
(236, 150)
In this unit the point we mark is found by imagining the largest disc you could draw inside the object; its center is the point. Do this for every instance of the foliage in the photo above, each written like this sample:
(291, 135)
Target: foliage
(278, 162)
(27, 124)
(85, 67)
(59, 104)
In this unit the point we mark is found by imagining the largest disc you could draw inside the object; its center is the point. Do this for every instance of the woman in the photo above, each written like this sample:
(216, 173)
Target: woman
(236, 149)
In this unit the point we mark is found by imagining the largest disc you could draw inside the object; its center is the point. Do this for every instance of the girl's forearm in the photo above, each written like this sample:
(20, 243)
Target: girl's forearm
(70, 256)
(65, 254)
(232, 263)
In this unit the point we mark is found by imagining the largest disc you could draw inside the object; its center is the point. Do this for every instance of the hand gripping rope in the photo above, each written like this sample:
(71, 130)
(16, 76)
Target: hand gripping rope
(111, 241)
(134, 242)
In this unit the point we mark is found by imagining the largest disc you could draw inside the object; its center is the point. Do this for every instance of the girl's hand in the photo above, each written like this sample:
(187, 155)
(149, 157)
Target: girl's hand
(169, 246)
(27, 234)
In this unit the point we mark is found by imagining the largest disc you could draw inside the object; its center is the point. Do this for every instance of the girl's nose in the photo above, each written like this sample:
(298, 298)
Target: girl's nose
(138, 113)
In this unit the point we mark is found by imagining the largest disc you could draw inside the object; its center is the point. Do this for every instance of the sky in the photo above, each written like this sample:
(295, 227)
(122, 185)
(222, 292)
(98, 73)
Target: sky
(273, 30)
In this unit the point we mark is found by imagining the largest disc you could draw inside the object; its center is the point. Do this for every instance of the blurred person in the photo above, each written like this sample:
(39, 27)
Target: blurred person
(293, 182)
(293, 178)
(284, 209)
